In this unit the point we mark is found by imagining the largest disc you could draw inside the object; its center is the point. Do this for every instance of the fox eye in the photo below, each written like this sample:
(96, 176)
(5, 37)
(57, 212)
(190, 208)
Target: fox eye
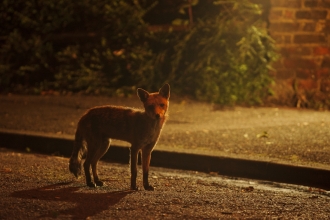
(162, 105)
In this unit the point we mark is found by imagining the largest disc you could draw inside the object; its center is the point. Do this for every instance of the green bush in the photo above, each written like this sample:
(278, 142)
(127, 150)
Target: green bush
(104, 46)
(226, 59)
(73, 45)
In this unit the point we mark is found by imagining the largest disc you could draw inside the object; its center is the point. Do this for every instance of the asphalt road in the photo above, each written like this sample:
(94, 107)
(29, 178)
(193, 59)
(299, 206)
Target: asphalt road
(274, 144)
(298, 137)
(35, 186)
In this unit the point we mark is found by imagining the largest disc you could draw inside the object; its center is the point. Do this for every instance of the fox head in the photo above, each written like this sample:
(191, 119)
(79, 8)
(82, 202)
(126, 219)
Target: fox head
(155, 104)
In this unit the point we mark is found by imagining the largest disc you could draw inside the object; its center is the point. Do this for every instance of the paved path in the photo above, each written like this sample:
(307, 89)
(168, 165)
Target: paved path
(269, 135)
(296, 136)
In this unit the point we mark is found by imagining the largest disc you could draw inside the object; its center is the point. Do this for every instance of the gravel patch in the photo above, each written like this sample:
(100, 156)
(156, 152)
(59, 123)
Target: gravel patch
(40, 186)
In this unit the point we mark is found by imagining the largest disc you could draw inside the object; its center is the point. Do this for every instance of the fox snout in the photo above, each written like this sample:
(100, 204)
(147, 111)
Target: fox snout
(155, 112)
(158, 115)
(155, 116)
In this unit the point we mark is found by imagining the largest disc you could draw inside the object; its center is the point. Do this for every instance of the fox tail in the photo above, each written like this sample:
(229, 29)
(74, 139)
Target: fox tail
(78, 152)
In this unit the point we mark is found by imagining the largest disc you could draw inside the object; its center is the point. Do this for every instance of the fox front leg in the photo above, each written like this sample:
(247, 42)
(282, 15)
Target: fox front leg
(134, 159)
(146, 156)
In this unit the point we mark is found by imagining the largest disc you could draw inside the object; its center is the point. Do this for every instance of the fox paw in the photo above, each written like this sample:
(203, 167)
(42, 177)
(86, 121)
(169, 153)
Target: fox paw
(134, 188)
(99, 183)
(149, 188)
(91, 184)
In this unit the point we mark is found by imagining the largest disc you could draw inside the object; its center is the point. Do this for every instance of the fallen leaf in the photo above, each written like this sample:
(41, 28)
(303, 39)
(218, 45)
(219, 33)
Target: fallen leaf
(263, 135)
(248, 189)
(6, 170)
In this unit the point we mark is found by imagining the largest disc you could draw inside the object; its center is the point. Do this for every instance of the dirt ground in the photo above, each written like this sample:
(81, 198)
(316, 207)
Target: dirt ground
(38, 186)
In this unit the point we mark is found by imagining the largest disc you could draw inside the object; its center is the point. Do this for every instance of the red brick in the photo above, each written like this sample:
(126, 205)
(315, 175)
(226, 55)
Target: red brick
(311, 3)
(286, 3)
(321, 51)
(325, 86)
(309, 26)
(312, 14)
(323, 73)
(295, 51)
(327, 27)
(284, 74)
(307, 84)
(277, 37)
(326, 62)
(275, 14)
(305, 73)
(284, 26)
(272, 73)
(289, 14)
(318, 73)
(309, 38)
(294, 63)
(287, 39)
(324, 4)
(277, 64)
(281, 38)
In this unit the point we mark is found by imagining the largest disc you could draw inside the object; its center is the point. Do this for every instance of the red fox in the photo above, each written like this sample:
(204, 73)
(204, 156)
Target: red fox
(140, 128)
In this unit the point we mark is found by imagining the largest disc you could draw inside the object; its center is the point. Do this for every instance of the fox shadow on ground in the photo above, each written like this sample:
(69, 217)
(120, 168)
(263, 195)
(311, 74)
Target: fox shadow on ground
(87, 204)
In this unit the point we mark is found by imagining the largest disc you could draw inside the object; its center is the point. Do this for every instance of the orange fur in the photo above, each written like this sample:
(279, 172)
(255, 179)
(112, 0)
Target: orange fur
(140, 128)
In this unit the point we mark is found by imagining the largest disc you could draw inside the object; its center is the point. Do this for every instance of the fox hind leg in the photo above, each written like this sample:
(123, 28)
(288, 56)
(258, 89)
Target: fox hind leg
(87, 165)
(92, 146)
(102, 149)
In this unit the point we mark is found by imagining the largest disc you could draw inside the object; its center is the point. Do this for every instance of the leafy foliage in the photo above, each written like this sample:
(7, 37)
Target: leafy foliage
(104, 46)
(226, 59)
(67, 45)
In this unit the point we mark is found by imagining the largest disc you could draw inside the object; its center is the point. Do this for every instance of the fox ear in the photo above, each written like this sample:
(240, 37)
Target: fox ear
(165, 91)
(143, 94)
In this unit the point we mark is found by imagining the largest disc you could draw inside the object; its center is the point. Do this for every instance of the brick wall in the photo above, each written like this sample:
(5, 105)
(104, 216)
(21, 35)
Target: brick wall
(301, 29)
